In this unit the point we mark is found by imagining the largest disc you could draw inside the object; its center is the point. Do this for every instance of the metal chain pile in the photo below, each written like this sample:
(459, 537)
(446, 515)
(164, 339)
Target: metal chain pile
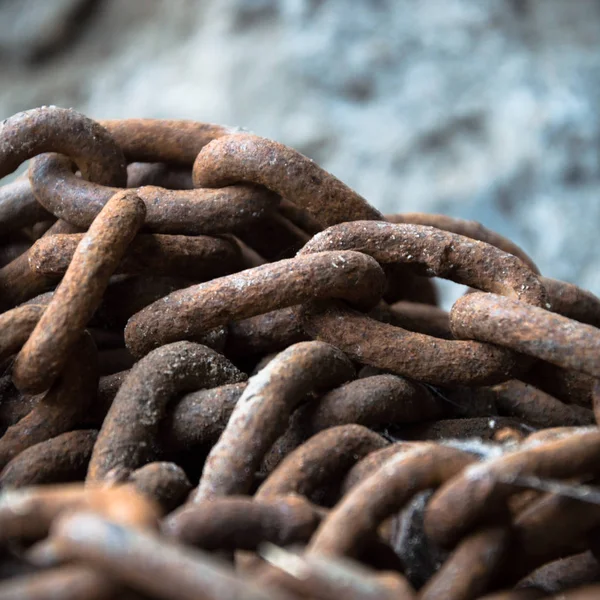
(225, 375)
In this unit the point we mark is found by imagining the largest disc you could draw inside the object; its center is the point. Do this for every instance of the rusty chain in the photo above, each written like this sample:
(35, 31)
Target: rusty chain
(224, 374)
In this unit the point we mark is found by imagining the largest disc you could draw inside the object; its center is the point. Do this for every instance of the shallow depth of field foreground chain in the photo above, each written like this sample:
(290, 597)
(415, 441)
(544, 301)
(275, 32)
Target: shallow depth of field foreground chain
(225, 375)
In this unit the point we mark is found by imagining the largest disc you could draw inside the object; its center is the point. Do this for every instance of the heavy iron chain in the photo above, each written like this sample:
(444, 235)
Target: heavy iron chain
(246, 364)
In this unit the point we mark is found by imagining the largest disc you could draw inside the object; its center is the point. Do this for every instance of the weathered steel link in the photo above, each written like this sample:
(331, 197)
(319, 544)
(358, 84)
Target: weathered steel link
(470, 568)
(478, 494)
(141, 401)
(149, 562)
(436, 253)
(79, 294)
(28, 513)
(192, 212)
(196, 305)
(421, 318)
(328, 579)
(527, 329)
(61, 407)
(414, 355)
(234, 523)
(163, 482)
(265, 334)
(517, 399)
(69, 582)
(198, 258)
(571, 301)
(60, 459)
(383, 494)
(173, 141)
(191, 312)
(18, 206)
(323, 458)
(53, 129)
(249, 158)
(200, 417)
(469, 229)
(375, 402)
(262, 412)
(19, 283)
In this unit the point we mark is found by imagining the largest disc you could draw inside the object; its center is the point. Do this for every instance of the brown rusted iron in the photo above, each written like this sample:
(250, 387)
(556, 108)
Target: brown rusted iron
(196, 211)
(527, 329)
(413, 355)
(60, 459)
(99, 252)
(329, 579)
(18, 206)
(384, 492)
(262, 411)
(535, 407)
(198, 258)
(436, 253)
(141, 401)
(70, 582)
(191, 312)
(238, 522)
(61, 407)
(148, 562)
(163, 482)
(477, 494)
(390, 448)
(53, 129)
(470, 568)
(28, 513)
(249, 158)
(470, 229)
(564, 574)
(325, 457)
(175, 142)
(19, 283)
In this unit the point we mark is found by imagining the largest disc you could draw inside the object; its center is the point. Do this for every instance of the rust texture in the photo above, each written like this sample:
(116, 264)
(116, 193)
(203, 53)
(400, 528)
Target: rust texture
(76, 298)
(197, 211)
(224, 374)
(194, 310)
(245, 157)
(262, 412)
(125, 439)
(528, 329)
(197, 258)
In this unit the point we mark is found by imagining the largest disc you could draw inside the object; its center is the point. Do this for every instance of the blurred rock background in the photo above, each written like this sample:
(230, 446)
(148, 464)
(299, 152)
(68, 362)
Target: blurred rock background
(486, 110)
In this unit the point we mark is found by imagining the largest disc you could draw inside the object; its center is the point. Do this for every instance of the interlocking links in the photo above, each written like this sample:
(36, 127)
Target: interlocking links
(125, 441)
(261, 414)
(386, 491)
(240, 522)
(435, 253)
(198, 211)
(249, 158)
(149, 562)
(172, 141)
(529, 330)
(192, 311)
(470, 229)
(18, 206)
(198, 258)
(60, 408)
(53, 129)
(79, 294)
(59, 459)
(478, 494)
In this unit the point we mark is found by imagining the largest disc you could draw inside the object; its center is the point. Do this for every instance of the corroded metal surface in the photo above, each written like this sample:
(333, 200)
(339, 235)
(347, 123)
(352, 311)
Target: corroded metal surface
(224, 374)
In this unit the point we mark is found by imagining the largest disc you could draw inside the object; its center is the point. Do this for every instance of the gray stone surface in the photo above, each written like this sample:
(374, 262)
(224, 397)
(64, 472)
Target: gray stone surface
(486, 110)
